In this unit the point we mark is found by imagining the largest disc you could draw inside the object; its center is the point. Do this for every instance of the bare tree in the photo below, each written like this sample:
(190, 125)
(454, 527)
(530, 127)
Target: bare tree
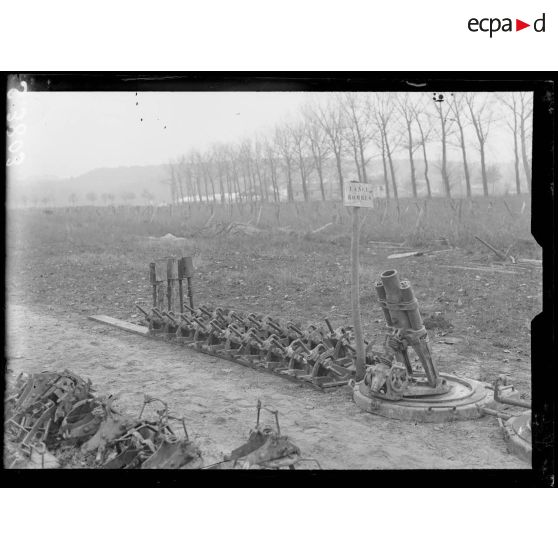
(187, 173)
(443, 111)
(172, 181)
(512, 102)
(246, 164)
(192, 175)
(481, 116)
(457, 106)
(271, 162)
(352, 142)
(360, 129)
(218, 155)
(424, 124)
(234, 172)
(525, 113)
(206, 163)
(284, 146)
(178, 171)
(389, 136)
(201, 177)
(318, 145)
(493, 174)
(301, 148)
(408, 105)
(332, 120)
(72, 198)
(259, 169)
(381, 143)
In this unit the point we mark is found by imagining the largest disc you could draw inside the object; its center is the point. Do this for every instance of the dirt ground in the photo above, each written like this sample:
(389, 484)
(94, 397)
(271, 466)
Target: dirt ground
(63, 267)
(218, 399)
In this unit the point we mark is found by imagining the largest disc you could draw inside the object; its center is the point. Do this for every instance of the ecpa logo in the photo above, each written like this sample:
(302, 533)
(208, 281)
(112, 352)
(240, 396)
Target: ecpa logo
(492, 25)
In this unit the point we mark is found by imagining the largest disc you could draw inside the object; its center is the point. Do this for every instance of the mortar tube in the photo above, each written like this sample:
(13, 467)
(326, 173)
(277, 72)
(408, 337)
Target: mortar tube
(413, 315)
(152, 280)
(392, 286)
(169, 295)
(180, 295)
(190, 292)
(381, 294)
(187, 267)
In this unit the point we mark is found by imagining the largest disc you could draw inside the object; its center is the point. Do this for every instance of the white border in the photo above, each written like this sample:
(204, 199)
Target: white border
(168, 35)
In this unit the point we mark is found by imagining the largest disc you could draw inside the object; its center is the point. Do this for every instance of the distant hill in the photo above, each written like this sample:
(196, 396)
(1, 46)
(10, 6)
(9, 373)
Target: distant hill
(119, 182)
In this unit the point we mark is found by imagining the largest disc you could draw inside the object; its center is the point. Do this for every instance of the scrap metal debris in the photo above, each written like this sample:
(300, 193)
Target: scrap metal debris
(266, 448)
(34, 415)
(153, 444)
(516, 429)
(54, 420)
(54, 416)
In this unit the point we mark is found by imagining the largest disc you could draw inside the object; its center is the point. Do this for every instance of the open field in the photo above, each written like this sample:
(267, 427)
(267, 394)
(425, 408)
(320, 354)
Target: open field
(66, 264)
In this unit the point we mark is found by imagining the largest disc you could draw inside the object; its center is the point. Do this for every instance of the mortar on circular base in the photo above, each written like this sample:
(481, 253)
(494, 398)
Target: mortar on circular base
(463, 401)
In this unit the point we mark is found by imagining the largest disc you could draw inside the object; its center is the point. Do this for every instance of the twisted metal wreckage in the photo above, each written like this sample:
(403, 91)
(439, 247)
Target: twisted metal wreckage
(55, 417)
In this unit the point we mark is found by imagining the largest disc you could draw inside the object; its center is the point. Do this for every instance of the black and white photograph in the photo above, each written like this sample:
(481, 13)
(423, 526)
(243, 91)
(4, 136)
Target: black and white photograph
(244, 277)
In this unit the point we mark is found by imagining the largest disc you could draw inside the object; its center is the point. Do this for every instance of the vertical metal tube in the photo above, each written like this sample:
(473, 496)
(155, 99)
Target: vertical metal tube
(413, 314)
(392, 286)
(180, 296)
(381, 293)
(153, 281)
(169, 295)
(186, 267)
(190, 293)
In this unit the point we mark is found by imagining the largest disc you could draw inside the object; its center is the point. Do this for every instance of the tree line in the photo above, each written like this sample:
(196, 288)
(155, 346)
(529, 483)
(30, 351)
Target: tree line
(350, 135)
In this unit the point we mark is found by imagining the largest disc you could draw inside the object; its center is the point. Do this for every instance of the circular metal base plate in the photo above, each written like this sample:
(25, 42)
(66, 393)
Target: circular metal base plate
(463, 401)
(517, 432)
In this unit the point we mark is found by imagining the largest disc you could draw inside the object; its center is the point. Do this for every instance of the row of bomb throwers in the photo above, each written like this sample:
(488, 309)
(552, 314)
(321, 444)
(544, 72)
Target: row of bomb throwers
(400, 381)
(322, 356)
(55, 417)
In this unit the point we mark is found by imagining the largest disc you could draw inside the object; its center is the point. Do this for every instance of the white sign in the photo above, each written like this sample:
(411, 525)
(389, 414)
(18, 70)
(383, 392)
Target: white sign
(359, 194)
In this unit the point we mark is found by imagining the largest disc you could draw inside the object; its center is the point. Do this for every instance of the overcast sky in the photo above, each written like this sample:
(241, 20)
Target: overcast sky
(67, 134)
(71, 133)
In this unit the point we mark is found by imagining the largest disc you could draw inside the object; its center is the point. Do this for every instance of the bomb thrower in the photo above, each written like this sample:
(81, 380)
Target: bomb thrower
(395, 376)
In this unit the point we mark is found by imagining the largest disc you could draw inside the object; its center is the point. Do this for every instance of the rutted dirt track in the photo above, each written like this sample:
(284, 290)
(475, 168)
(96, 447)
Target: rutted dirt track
(218, 399)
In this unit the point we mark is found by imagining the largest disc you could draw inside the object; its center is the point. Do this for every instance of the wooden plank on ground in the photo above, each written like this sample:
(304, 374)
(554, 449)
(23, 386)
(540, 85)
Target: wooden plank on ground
(489, 269)
(120, 324)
